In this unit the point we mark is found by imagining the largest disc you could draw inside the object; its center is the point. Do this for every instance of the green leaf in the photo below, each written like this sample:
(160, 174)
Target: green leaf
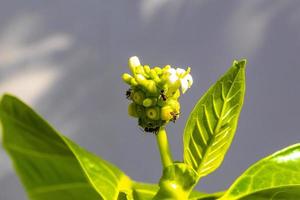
(52, 166)
(145, 191)
(212, 123)
(275, 177)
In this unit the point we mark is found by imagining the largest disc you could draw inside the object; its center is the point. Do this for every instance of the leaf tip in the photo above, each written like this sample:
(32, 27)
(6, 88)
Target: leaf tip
(240, 64)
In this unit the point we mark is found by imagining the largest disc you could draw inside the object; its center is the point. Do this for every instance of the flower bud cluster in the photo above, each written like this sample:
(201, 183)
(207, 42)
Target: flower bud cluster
(154, 93)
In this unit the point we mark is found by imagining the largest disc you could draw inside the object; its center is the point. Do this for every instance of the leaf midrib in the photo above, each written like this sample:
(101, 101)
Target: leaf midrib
(219, 123)
(36, 153)
(63, 186)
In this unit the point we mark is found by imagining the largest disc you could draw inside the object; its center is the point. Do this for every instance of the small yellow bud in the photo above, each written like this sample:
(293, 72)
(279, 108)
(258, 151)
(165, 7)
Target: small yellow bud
(176, 95)
(140, 79)
(138, 97)
(147, 69)
(152, 113)
(166, 113)
(140, 70)
(151, 86)
(158, 70)
(133, 82)
(132, 110)
(127, 78)
(167, 67)
(154, 76)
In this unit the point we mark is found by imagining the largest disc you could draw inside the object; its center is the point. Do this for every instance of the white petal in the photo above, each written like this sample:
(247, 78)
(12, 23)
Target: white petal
(133, 63)
(189, 79)
(172, 71)
(180, 71)
(173, 76)
(184, 85)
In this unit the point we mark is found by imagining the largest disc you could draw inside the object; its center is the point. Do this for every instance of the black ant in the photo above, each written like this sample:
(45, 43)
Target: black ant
(174, 116)
(163, 96)
(128, 93)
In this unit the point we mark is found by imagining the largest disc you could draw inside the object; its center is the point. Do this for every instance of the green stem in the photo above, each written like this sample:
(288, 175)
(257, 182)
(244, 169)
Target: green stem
(163, 146)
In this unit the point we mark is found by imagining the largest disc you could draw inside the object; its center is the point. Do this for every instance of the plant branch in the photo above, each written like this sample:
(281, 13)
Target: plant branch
(163, 146)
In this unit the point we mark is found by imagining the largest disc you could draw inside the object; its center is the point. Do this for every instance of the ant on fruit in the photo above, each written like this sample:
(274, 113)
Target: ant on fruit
(174, 116)
(162, 95)
(128, 93)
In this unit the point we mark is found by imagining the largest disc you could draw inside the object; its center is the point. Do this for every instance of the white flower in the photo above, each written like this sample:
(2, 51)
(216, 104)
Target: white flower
(173, 76)
(133, 63)
(186, 80)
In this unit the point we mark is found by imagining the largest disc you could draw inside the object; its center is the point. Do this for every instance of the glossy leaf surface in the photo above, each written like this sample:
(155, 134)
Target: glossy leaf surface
(276, 177)
(212, 123)
(52, 166)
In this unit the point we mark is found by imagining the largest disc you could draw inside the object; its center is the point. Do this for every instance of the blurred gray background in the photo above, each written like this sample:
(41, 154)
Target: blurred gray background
(65, 58)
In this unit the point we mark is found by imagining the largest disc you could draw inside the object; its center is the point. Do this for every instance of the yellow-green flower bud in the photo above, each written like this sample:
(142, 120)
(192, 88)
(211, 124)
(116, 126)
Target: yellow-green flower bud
(166, 113)
(133, 62)
(132, 110)
(153, 113)
(147, 69)
(127, 78)
(138, 97)
(151, 86)
(133, 82)
(167, 67)
(176, 95)
(158, 70)
(140, 70)
(140, 79)
(154, 76)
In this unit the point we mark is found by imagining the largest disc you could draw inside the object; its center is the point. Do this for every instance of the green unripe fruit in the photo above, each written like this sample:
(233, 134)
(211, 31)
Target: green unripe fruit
(153, 113)
(147, 102)
(140, 111)
(161, 102)
(138, 97)
(132, 110)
